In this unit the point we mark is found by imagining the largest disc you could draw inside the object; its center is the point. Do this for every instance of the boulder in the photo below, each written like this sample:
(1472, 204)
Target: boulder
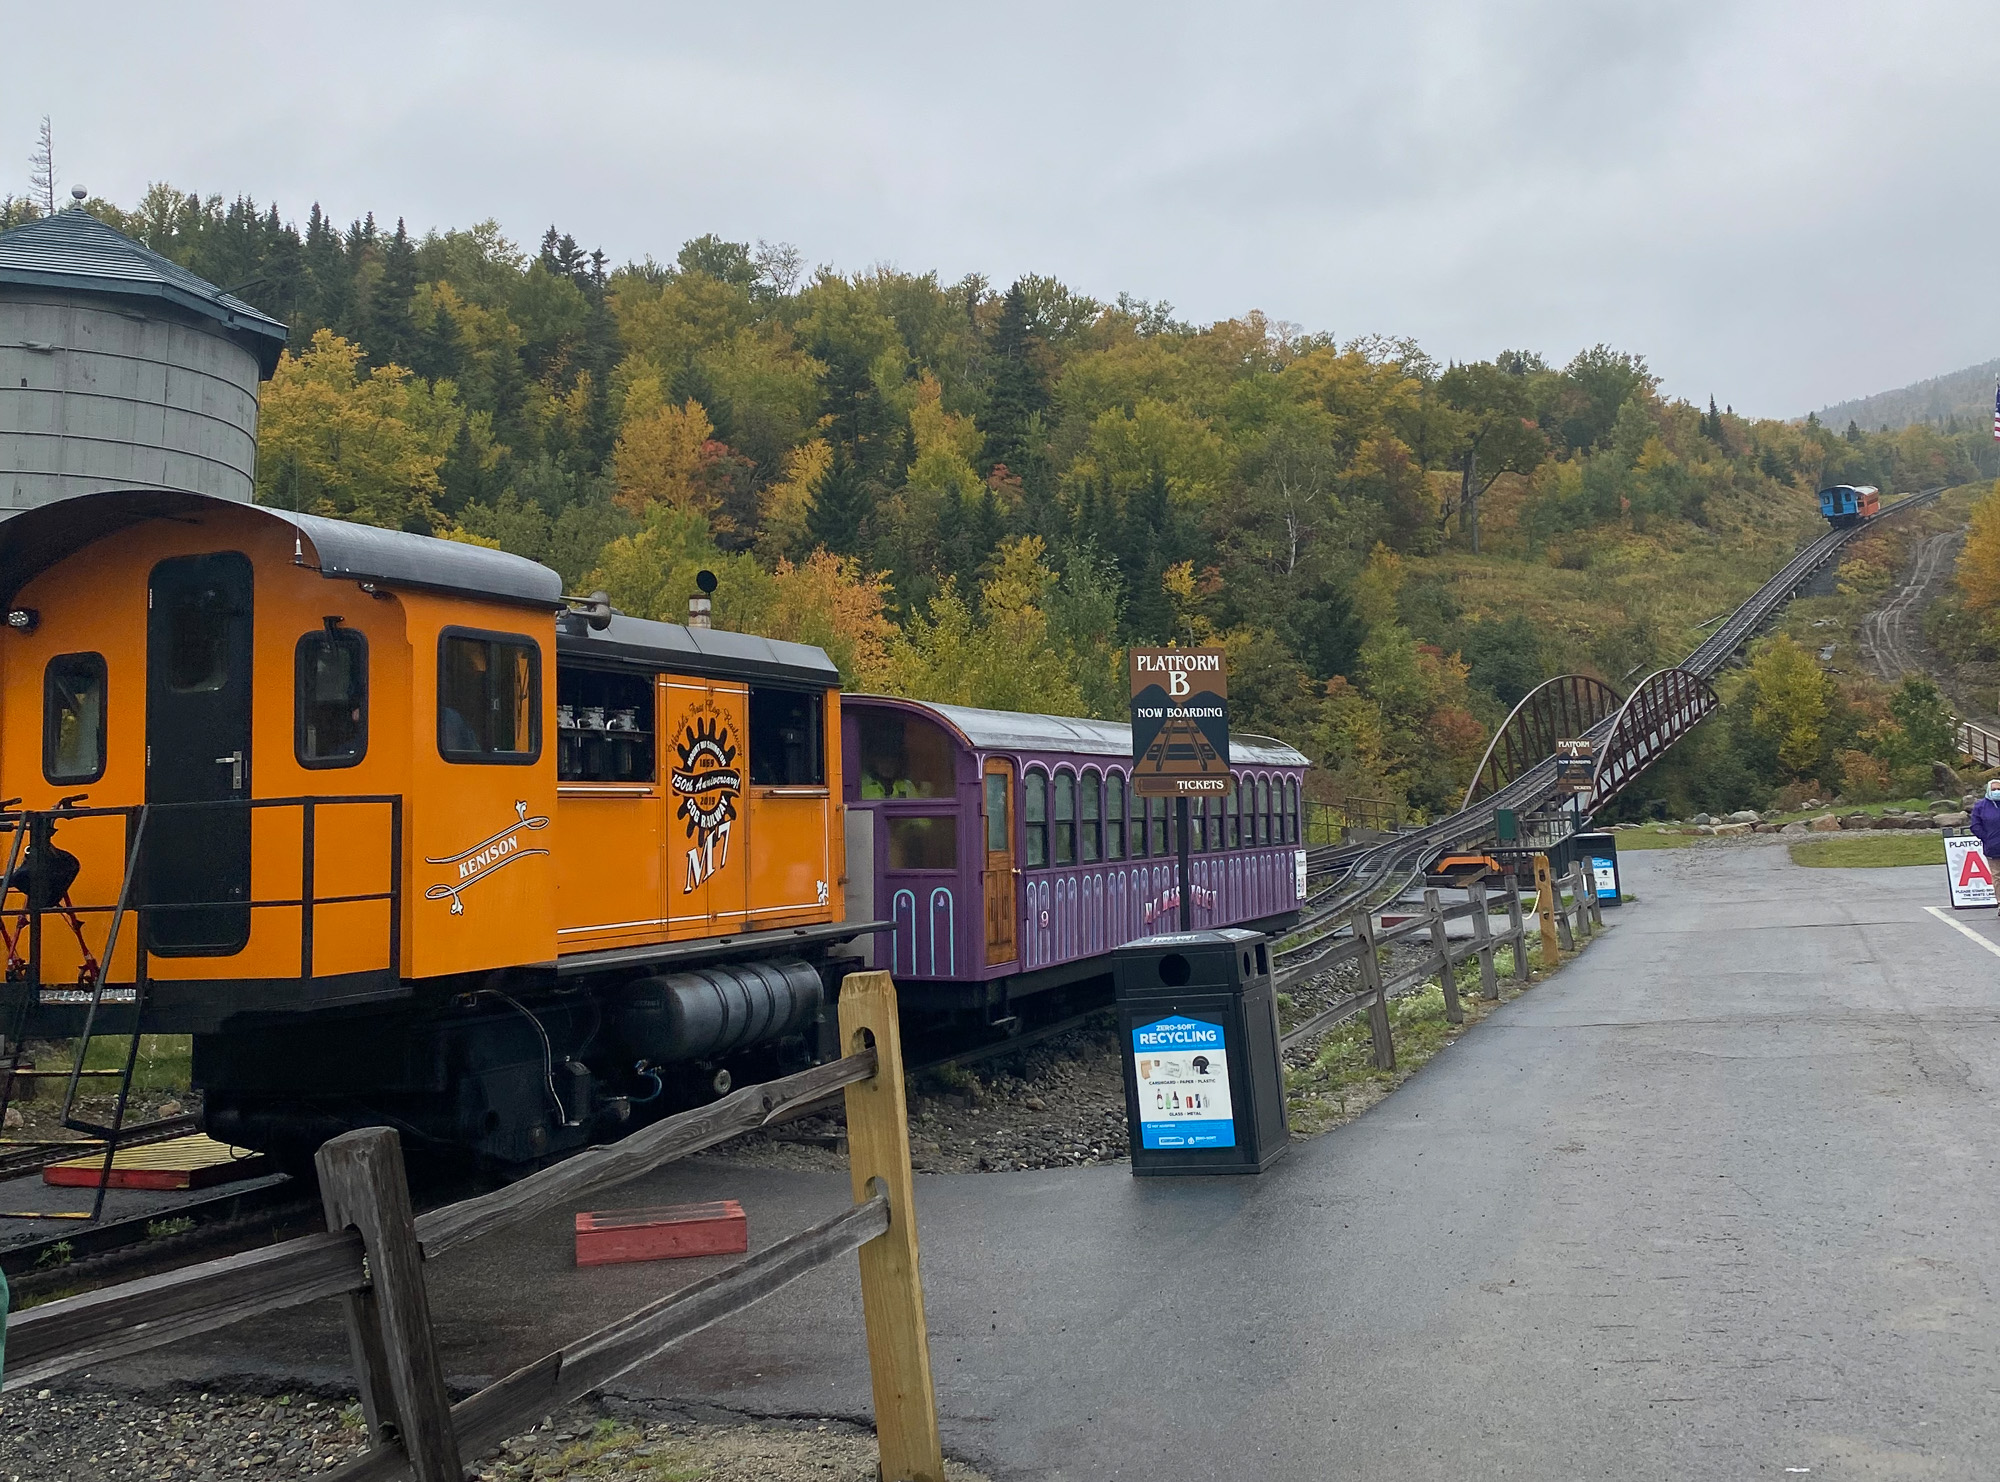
(1743, 815)
(1944, 779)
(1826, 823)
(1948, 820)
(1732, 828)
(1765, 826)
(1702, 818)
(1856, 820)
(1812, 803)
(1772, 813)
(1704, 828)
(1795, 828)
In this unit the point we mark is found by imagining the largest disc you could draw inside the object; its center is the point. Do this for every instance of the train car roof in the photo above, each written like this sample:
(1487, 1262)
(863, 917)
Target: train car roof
(35, 539)
(1013, 730)
(703, 651)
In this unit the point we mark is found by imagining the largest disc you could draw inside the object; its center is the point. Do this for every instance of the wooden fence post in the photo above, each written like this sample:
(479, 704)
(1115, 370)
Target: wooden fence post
(1482, 933)
(892, 1289)
(1454, 1011)
(403, 1396)
(1518, 930)
(1371, 980)
(1579, 899)
(1545, 907)
(1596, 906)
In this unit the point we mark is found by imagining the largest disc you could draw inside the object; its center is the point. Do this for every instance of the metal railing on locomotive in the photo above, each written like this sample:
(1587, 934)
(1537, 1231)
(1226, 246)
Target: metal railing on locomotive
(33, 1011)
(375, 1251)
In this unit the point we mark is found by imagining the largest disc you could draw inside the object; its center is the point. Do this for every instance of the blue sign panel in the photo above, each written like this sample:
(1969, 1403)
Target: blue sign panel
(1604, 872)
(1183, 1077)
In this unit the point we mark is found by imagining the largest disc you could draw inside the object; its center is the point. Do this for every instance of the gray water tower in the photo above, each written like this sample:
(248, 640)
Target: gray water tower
(120, 369)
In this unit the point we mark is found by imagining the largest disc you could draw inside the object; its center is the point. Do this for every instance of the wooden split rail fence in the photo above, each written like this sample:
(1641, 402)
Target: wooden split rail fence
(1562, 923)
(373, 1252)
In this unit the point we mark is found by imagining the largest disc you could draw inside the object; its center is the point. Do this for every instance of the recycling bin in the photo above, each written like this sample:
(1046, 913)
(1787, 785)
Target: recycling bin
(1599, 853)
(1198, 1031)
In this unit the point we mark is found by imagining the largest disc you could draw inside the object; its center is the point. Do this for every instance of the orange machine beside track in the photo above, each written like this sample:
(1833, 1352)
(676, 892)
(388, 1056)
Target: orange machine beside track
(402, 835)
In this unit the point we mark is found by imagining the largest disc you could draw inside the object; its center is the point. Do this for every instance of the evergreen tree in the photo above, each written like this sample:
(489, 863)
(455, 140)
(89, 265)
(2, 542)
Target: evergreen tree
(693, 383)
(391, 337)
(1017, 391)
(842, 506)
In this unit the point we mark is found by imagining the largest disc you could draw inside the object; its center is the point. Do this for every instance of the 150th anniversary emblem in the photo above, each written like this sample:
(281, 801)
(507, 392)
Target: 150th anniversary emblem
(485, 859)
(707, 782)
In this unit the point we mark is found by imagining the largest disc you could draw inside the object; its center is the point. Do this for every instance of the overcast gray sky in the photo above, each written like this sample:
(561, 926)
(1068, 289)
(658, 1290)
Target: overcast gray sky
(1785, 202)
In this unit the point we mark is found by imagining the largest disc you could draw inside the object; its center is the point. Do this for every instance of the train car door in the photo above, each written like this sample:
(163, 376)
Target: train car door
(708, 844)
(996, 807)
(198, 651)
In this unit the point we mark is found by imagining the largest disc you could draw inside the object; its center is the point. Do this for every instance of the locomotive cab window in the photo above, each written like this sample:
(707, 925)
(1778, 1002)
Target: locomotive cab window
(604, 726)
(785, 749)
(73, 718)
(489, 698)
(330, 699)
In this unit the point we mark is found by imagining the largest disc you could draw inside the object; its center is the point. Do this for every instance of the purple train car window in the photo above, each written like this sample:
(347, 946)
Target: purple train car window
(923, 842)
(1198, 825)
(1264, 811)
(1156, 818)
(903, 756)
(1137, 814)
(1114, 816)
(1236, 815)
(1292, 810)
(1090, 817)
(1065, 819)
(996, 813)
(1035, 817)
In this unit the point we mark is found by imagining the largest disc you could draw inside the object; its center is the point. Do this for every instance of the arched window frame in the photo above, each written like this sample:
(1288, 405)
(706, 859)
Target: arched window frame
(1063, 815)
(1114, 815)
(1235, 817)
(1263, 811)
(1090, 816)
(1291, 810)
(1135, 831)
(1034, 819)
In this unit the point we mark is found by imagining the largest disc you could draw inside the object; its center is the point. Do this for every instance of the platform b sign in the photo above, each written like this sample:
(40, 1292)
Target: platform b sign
(1180, 722)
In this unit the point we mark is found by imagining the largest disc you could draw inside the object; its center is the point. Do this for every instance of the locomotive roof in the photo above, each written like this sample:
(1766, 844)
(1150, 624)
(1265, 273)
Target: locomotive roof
(36, 539)
(1014, 730)
(703, 651)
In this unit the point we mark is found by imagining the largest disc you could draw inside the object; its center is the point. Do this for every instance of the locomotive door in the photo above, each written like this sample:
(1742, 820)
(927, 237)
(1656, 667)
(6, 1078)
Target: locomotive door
(198, 648)
(996, 808)
(708, 846)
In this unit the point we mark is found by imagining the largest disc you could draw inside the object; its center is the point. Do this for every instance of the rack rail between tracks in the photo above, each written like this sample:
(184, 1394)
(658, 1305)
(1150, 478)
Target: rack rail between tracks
(374, 1249)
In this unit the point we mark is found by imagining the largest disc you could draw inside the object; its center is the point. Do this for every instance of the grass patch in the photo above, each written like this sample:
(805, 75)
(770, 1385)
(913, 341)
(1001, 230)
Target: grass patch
(1646, 838)
(1869, 854)
(166, 1061)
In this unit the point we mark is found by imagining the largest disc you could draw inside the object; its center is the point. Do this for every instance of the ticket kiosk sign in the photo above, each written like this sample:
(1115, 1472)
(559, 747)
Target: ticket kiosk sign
(1968, 873)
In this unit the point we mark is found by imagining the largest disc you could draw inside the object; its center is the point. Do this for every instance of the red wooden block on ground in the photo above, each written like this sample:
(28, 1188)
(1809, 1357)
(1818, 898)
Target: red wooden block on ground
(662, 1233)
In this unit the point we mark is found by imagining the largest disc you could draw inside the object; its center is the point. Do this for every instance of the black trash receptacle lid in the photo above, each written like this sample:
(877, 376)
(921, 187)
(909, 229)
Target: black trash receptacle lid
(1188, 961)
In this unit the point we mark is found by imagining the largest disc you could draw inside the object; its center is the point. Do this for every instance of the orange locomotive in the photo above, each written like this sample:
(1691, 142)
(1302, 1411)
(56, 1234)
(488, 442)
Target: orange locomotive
(399, 835)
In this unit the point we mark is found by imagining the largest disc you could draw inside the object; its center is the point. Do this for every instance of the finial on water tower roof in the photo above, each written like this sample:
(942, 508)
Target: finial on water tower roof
(78, 194)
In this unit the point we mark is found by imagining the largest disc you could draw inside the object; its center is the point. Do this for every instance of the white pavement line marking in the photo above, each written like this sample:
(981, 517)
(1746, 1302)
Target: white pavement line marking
(1960, 926)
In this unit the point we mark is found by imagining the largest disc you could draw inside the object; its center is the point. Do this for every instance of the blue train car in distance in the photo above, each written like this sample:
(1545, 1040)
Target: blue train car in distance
(1850, 504)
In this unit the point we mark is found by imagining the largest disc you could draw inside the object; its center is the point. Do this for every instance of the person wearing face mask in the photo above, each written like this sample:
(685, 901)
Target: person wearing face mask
(1986, 821)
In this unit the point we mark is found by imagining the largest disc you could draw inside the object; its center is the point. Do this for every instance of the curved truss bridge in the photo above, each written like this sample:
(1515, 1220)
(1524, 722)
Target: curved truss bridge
(1559, 709)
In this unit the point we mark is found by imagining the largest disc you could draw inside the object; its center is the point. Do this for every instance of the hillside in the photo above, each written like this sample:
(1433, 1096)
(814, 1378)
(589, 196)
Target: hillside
(986, 496)
(1964, 396)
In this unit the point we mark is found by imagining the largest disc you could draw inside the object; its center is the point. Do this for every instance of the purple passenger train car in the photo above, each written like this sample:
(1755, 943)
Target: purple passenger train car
(1011, 856)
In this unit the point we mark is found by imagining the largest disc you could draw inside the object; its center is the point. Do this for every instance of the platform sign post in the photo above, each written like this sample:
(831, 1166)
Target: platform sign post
(1968, 874)
(1576, 766)
(1180, 737)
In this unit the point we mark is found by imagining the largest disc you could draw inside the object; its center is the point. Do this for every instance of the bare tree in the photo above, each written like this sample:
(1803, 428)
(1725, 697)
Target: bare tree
(778, 264)
(42, 167)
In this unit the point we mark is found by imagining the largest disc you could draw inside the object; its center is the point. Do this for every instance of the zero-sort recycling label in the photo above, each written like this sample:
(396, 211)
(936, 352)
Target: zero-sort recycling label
(1183, 1075)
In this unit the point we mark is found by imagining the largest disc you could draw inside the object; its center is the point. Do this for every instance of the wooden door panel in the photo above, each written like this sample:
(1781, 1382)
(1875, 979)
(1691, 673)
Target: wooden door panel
(997, 819)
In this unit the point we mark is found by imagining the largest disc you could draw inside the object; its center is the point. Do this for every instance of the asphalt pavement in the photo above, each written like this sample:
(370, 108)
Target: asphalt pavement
(1716, 1201)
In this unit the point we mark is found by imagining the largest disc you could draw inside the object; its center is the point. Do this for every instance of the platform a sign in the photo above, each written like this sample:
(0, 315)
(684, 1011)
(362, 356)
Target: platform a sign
(1967, 872)
(1180, 722)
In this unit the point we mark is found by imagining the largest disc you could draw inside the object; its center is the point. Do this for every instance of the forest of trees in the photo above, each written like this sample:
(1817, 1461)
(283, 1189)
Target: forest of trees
(984, 493)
